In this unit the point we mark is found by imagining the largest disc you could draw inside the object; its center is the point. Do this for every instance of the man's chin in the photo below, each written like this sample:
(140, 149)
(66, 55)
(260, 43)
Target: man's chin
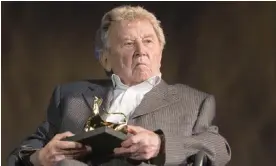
(141, 77)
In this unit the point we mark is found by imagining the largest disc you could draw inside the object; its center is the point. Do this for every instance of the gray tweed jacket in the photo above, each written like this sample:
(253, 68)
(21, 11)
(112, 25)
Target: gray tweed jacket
(183, 114)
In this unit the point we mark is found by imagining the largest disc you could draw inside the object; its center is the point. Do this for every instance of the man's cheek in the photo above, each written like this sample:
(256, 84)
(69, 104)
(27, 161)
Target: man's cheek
(127, 62)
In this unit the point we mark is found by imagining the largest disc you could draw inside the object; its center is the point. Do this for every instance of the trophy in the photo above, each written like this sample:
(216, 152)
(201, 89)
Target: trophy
(96, 121)
(101, 135)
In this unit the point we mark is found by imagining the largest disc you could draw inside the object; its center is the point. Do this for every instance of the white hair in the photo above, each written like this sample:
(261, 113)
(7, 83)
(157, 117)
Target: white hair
(125, 13)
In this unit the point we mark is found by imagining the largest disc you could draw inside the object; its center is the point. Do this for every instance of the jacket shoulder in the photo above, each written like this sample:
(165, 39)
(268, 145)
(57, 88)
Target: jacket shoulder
(186, 91)
(77, 87)
(196, 99)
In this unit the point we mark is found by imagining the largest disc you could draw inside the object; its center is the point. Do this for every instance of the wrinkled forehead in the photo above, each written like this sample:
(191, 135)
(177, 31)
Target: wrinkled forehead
(131, 29)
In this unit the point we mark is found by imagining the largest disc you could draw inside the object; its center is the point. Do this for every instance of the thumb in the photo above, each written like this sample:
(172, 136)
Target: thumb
(134, 129)
(64, 135)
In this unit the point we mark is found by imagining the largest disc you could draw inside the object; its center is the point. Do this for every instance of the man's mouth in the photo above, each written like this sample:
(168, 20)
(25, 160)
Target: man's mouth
(141, 64)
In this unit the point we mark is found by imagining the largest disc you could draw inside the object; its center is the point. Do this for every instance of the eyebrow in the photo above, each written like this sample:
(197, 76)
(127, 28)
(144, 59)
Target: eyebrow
(149, 35)
(132, 38)
(127, 38)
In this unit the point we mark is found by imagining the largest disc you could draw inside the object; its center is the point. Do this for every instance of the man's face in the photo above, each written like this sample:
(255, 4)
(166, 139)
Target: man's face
(135, 51)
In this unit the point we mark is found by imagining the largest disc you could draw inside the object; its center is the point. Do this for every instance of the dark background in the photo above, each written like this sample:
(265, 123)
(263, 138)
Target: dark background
(223, 48)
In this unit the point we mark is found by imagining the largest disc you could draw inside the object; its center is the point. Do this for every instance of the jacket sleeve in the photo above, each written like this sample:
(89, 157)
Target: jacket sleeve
(205, 137)
(43, 134)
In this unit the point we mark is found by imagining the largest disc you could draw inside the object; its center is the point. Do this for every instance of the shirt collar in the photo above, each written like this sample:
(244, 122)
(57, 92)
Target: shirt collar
(117, 83)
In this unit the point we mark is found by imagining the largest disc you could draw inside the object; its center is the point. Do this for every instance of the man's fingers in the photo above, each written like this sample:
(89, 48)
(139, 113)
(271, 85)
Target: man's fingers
(68, 145)
(63, 135)
(118, 151)
(145, 149)
(57, 158)
(135, 139)
(84, 149)
(73, 151)
(134, 148)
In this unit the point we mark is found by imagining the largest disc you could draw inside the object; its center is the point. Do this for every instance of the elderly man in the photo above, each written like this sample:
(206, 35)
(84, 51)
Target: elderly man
(167, 123)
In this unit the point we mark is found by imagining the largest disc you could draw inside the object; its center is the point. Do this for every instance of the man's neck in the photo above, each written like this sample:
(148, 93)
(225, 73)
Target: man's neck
(117, 81)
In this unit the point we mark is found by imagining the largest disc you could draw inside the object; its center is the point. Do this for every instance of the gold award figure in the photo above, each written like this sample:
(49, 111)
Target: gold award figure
(95, 120)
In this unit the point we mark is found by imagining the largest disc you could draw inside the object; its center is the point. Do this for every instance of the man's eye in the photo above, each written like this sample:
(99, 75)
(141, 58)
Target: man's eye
(148, 41)
(128, 44)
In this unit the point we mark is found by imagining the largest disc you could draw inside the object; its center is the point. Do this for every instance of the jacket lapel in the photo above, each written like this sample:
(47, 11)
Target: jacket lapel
(104, 93)
(78, 108)
(88, 97)
(160, 96)
(108, 96)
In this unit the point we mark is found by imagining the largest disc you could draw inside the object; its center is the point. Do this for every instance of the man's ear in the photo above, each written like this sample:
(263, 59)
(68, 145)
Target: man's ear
(105, 61)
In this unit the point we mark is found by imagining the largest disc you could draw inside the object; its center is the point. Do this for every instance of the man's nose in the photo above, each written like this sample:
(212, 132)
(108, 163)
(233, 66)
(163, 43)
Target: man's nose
(139, 49)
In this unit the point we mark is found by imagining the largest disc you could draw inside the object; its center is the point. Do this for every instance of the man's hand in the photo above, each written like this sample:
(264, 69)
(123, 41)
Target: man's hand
(142, 145)
(57, 150)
